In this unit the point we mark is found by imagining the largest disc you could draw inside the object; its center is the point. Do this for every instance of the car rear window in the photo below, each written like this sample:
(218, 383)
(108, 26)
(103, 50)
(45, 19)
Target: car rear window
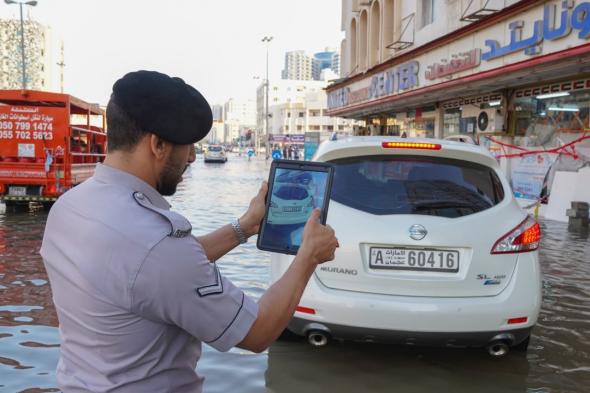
(415, 185)
(292, 193)
(215, 148)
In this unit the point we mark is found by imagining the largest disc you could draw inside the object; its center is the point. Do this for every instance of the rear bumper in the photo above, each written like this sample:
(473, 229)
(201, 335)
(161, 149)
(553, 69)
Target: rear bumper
(215, 159)
(302, 326)
(357, 315)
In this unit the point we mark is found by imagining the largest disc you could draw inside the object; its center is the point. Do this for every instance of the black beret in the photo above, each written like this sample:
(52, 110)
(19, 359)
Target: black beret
(165, 106)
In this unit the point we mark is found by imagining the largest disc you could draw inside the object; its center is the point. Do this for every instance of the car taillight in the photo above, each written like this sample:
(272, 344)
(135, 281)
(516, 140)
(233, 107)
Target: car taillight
(525, 237)
(411, 145)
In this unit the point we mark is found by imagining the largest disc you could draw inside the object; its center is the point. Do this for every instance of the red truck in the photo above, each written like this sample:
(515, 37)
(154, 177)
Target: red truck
(49, 143)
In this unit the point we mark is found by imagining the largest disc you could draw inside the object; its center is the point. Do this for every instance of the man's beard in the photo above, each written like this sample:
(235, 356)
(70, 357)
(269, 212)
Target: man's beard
(170, 177)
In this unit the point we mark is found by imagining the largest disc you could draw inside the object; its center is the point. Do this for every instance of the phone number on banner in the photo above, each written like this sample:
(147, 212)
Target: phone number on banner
(26, 131)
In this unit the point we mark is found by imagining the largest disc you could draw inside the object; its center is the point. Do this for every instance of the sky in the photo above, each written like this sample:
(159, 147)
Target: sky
(214, 45)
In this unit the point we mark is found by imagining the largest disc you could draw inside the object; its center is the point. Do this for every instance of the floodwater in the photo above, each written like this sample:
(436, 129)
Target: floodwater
(558, 359)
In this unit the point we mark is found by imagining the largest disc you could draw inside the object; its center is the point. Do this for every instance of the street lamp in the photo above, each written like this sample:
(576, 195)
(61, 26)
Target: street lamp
(266, 39)
(32, 3)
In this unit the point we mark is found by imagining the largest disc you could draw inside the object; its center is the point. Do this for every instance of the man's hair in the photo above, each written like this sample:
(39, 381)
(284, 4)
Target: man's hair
(123, 132)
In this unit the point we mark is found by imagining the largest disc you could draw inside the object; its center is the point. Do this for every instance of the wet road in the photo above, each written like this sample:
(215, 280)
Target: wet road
(558, 359)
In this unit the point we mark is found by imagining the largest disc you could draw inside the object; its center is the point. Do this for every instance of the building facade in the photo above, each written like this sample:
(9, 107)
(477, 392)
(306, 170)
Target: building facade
(240, 117)
(298, 66)
(298, 107)
(513, 75)
(42, 56)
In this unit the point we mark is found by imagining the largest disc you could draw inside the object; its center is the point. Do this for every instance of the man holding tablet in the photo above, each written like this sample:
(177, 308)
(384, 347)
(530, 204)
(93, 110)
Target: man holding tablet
(136, 294)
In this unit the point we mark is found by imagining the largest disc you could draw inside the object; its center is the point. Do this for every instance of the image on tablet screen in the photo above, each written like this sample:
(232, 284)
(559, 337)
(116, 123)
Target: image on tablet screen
(295, 193)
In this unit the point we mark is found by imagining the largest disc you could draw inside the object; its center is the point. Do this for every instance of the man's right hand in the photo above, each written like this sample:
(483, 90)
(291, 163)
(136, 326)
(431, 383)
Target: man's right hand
(319, 241)
(277, 305)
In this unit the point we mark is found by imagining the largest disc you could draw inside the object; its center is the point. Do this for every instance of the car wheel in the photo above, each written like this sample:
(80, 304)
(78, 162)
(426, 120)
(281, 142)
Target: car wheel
(523, 346)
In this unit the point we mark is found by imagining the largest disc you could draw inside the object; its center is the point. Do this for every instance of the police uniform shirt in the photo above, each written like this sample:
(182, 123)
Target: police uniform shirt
(134, 292)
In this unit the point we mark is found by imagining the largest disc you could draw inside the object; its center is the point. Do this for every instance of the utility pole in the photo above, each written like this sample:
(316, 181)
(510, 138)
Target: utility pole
(61, 65)
(266, 39)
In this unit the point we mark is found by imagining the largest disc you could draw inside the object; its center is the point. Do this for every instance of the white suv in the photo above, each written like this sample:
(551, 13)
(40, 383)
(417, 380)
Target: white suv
(434, 249)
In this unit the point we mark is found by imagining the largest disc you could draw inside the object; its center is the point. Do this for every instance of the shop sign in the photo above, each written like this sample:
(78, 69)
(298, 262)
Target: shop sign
(280, 138)
(459, 62)
(581, 84)
(392, 81)
(471, 101)
(577, 18)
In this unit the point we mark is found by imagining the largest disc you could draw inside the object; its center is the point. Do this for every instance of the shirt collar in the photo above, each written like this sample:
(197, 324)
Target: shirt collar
(108, 174)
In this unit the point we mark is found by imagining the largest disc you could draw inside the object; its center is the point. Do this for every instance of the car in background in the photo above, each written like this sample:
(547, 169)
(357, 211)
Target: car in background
(215, 153)
(290, 204)
(434, 250)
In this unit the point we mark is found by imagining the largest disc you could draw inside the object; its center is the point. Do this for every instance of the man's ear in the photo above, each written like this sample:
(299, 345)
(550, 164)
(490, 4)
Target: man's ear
(159, 146)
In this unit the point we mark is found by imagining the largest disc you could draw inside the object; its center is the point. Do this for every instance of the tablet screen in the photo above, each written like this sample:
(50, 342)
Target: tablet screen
(294, 194)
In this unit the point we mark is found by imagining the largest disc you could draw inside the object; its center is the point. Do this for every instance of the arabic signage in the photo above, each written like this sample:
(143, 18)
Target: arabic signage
(26, 123)
(459, 62)
(546, 28)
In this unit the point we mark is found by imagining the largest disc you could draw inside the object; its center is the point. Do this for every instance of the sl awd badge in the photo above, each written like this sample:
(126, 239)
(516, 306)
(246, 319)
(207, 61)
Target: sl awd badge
(418, 232)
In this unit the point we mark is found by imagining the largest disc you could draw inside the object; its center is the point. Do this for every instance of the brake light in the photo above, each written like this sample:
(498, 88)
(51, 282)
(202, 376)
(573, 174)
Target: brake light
(513, 321)
(306, 310)
(411, 145)
(51, 190)
(525, 237)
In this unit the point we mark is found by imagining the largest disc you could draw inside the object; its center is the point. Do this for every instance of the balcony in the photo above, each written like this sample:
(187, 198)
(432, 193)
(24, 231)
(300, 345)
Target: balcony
(407, 34)
(476, 10)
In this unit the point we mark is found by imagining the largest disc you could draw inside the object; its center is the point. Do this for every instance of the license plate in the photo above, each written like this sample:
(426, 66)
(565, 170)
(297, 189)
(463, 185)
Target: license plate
(17, 191)
(292, 208)
(411, 259)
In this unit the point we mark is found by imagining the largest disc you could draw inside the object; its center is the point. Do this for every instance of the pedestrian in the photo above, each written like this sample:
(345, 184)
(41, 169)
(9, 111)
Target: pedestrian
(285, 152)
(296, 153)
(135, 292)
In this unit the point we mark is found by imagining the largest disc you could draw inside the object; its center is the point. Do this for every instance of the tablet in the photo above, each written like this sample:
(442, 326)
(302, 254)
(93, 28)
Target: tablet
(295, 189)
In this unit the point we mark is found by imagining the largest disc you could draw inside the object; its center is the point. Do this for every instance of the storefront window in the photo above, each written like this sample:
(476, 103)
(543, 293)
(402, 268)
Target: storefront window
(452, 118)
(541, 118)
(474, 115)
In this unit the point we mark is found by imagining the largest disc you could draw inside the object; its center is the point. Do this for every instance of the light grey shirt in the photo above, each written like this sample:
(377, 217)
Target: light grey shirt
(134, 292)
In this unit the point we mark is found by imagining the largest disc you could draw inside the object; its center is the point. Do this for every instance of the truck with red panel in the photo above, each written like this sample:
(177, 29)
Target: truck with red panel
(49, 143)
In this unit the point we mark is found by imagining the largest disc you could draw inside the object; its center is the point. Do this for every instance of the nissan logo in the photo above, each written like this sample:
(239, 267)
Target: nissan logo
(417, 232)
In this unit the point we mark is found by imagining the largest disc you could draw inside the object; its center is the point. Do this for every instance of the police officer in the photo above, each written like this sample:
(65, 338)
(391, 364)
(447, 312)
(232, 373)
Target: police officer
(136, 294)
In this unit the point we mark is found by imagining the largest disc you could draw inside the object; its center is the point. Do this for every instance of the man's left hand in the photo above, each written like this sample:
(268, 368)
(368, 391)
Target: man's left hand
(250, 221)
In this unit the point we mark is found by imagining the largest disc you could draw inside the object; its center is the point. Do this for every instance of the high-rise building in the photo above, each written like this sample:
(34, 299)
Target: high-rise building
(328, 59)
(41, 56)
(217, 111)
(240, 116)
(298, 66)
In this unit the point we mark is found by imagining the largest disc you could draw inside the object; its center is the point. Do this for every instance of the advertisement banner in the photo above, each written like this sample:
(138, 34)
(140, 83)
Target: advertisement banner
(528, 174)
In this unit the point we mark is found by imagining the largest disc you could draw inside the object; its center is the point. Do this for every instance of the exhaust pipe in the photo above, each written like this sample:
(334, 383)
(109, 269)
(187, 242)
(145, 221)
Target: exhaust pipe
(317, 334)
(317, 338)
(499, 345)
(498, 349)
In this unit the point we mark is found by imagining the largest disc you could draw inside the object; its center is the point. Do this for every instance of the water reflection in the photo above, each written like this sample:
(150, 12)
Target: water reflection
(212, 195)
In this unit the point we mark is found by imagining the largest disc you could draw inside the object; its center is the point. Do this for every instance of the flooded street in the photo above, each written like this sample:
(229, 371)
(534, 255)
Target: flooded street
(558, 359)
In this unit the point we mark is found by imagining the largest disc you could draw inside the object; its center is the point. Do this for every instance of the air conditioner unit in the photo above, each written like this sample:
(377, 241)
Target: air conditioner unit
(490, 120)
